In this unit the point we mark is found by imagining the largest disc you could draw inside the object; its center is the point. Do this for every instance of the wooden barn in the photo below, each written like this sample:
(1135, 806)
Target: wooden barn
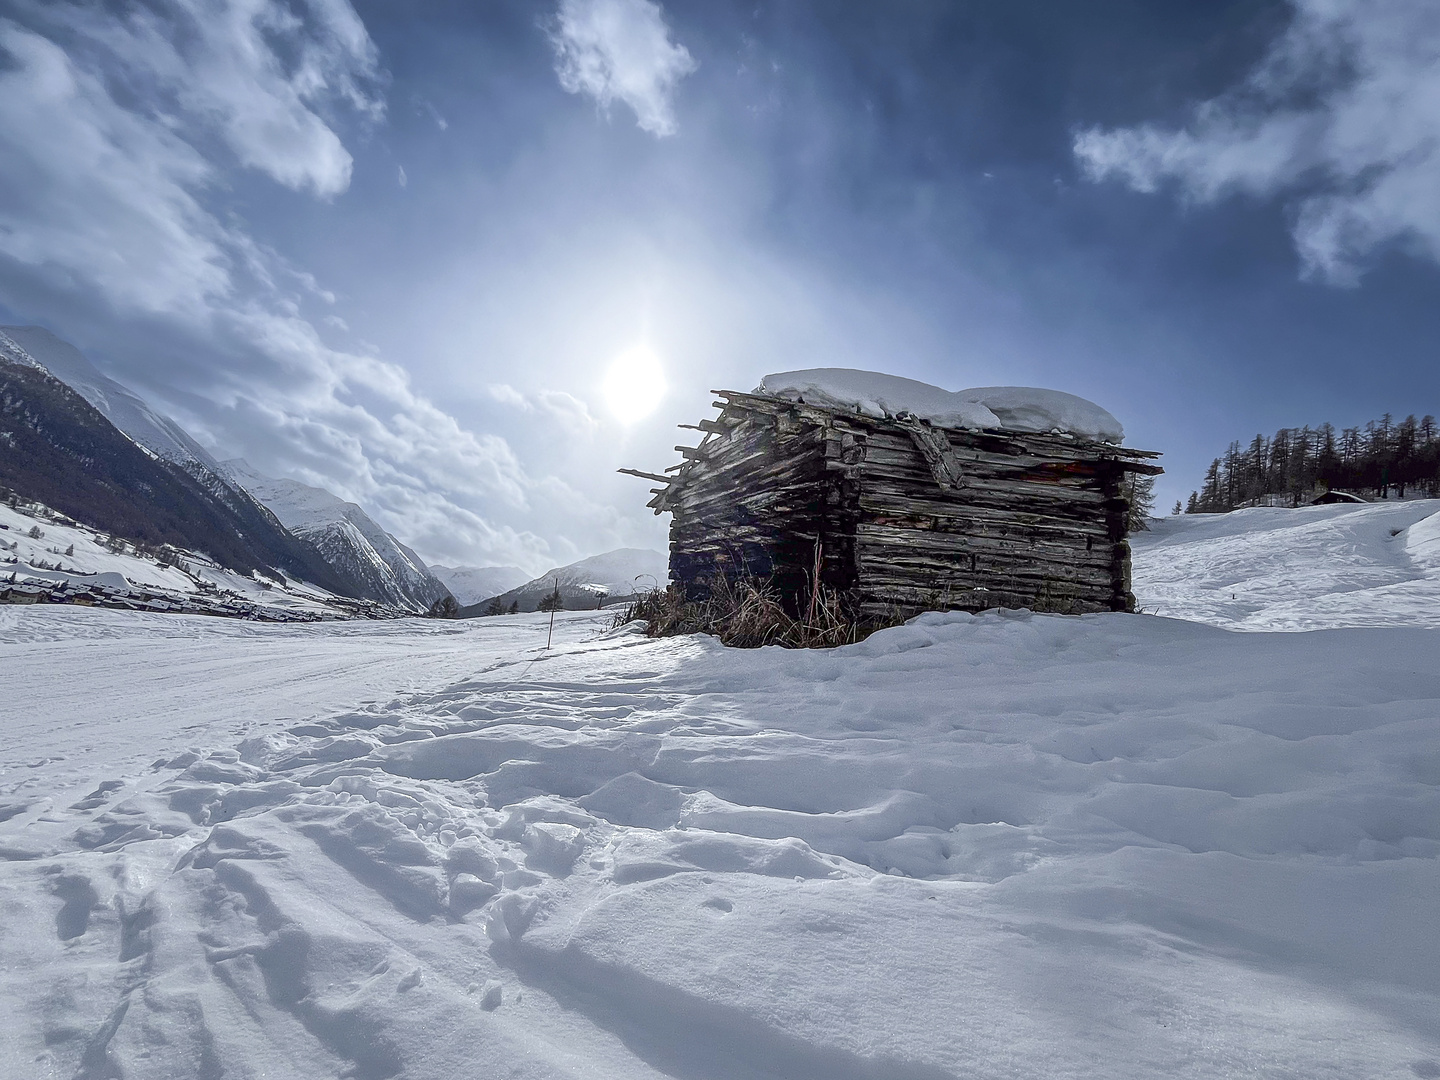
(902, 505)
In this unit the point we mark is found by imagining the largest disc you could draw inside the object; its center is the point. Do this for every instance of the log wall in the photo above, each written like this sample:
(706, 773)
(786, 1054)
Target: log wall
(903, 517)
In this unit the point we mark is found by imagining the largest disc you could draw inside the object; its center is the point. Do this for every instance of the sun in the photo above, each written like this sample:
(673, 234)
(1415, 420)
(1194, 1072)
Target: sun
(634, 384)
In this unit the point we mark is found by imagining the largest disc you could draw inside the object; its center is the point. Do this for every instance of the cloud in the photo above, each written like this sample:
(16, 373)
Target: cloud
(1342, 115)
(427, 108)
(257, 73)
(118, 128)
(572, 413)
(621, 49)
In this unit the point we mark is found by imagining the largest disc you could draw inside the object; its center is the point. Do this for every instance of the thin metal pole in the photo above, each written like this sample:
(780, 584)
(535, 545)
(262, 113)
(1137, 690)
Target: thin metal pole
(551, 634)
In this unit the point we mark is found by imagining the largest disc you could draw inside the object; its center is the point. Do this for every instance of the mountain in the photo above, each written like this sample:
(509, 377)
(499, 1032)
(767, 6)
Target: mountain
(157, 434)
(472, 584)
(364, 561)
(60, 450)
(122, 407)
(615, 575)
(377, 565)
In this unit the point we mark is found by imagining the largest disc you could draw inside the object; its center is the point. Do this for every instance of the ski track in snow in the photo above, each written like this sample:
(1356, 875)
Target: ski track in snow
(1004, 846)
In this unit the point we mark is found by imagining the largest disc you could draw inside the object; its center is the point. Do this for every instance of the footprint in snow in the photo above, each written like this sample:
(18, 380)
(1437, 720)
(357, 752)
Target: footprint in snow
(492, 996)
(78, 899)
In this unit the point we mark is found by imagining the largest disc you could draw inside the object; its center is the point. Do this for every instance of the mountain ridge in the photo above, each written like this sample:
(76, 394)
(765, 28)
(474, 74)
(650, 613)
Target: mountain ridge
(384, 569)
(590, 582)
(63, 452)
(475, 584)
(364, 561)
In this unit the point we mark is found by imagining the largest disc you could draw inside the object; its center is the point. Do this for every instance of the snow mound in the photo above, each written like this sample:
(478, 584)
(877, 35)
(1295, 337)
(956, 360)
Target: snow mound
(875, 394)
(1030, 408)
(999, 408)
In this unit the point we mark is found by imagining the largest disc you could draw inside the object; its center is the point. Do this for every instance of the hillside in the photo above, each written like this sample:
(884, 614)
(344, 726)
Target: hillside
(1311, 568)
(45, 559)
(376, 565)
(59, 450)
(589, 583)
(118, 404)
(363, 560)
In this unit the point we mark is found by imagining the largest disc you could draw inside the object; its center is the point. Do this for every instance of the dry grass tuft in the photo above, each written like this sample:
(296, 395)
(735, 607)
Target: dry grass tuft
(745, 615)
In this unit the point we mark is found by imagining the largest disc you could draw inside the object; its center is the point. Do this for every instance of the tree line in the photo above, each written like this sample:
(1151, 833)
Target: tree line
(1296, 464)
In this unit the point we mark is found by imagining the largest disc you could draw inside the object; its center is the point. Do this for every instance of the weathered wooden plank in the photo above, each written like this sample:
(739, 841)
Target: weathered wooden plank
(1034, 524)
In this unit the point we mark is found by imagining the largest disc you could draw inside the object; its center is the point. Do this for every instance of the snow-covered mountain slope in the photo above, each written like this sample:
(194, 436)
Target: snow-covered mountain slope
(60, 451)
(121, 406)
(379, 566)
(1001, 846)
(1270, 568)
(47, 559)
(472, 584)
(598, 579)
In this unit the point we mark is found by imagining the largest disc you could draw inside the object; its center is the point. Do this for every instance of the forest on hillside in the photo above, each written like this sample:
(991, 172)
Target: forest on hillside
(1292, 467)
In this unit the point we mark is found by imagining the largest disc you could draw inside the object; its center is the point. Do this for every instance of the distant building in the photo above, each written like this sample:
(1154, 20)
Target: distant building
(1337, 497)
(899, 513)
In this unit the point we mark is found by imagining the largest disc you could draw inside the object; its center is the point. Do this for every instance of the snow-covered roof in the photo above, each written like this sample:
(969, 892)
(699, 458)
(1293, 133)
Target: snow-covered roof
(1001, 408)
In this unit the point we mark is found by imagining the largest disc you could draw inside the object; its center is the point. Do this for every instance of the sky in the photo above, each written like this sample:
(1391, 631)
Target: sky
(401, 250)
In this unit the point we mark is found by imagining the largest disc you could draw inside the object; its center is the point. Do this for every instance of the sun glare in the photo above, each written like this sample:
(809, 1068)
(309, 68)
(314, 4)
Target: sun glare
(634, 384)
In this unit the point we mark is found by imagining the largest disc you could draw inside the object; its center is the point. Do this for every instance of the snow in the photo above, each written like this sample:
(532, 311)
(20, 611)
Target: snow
(1270, 568)
(91, 564)
(1003, 408)
(875, 394)
(1010, 845)
(1031, 408)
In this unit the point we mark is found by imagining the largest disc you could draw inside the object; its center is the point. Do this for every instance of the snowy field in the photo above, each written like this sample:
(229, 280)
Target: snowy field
(1318, 567)
(1004, 846)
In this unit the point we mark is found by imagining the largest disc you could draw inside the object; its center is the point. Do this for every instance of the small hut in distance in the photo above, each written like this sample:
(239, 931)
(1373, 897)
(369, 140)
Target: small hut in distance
(905, 497)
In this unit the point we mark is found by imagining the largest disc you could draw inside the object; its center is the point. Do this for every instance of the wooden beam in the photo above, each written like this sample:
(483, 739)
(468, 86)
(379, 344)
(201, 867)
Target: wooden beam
(646, 475)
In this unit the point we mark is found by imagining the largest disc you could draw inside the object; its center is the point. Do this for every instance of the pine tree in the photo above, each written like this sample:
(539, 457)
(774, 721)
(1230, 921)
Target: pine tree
(495, 607)
(1139, 491)
(447, 607)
